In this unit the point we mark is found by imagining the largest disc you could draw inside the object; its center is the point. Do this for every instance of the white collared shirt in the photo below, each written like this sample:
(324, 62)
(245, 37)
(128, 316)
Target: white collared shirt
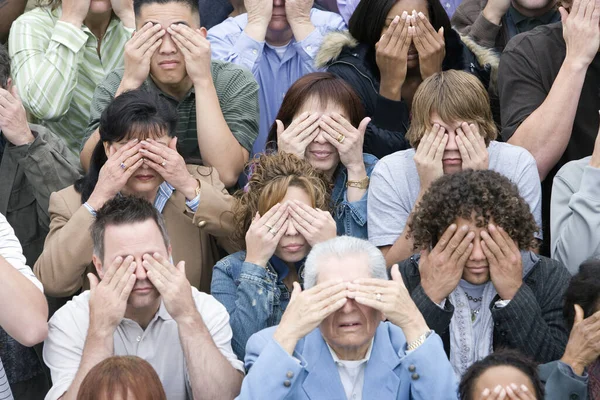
(352, 373)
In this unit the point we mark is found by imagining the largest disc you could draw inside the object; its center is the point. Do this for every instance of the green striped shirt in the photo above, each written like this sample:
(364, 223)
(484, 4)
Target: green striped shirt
(236, 89)
(56, 67)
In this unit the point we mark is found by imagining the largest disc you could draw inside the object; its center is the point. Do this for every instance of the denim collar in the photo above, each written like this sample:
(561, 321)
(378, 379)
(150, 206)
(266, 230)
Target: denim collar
(282, 269)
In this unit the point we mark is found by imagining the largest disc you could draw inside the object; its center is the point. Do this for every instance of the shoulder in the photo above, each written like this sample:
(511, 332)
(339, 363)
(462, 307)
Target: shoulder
(258, 341)
(75, 310)
(211, 310)
(336, 46)
(397, 161)
(572, 171)
(503, 149)
(549, 270)
(228, 73)
(67, 197)
(370, 162)
(40, 16)
(545, 38)
(226, 263)
(325, 18)
(229, 26)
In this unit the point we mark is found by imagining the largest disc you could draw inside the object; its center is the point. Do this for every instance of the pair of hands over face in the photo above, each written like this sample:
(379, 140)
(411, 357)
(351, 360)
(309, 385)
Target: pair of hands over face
(77, 10)
(260, 12)
(430, 152)
(393, 47)
(442, 267)
(266, 231)
(305, 128)
(109, 297)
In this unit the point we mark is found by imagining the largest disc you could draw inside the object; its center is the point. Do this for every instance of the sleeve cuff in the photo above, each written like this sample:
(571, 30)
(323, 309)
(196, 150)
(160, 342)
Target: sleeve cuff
(193, 204)
(248, 49)
(484, 32)
(589, 187)
(309, 47)
(69, 36)
(568, 370)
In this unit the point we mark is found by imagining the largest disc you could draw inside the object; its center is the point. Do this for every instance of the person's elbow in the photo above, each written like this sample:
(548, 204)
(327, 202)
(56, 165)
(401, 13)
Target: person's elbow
(36, 332)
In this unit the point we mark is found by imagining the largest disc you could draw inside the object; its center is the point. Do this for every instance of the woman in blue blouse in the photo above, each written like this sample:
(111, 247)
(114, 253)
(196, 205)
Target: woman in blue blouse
(279, 216)
(322, 120)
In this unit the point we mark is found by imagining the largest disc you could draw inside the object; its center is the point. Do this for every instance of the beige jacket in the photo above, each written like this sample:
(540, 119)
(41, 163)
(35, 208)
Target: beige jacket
(67, 255)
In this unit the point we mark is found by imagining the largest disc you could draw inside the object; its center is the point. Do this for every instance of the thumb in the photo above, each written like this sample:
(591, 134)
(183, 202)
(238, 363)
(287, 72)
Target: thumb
(396, 276)
(441, 31)
(93, 281)
(578, 314)
(363, 125)
(14, 92)
(563, 14)
(181, 266)
(296, 291)
(173, 143)
(280, 127)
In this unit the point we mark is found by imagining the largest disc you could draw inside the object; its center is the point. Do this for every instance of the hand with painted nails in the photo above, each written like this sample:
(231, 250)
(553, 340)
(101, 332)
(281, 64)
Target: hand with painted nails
(298, 135)
(391, 55)
(264, 234)
(504, 258)
(430, 44)
(472, 148)
(314, 225)
(429, 154)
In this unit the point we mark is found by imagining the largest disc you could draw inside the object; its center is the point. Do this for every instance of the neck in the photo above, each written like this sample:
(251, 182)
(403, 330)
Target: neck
(178, 90)
(280, 38)
(351, 353)
(329, 173)
(143, 316)
(98, 23)
(149, 195)
(533, 13)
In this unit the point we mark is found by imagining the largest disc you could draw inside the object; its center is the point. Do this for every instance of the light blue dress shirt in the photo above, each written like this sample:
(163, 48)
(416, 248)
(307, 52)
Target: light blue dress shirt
(274, 75)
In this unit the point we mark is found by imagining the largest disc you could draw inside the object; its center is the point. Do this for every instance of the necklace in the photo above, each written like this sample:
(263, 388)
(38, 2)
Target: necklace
(474, 314)
(473, 299)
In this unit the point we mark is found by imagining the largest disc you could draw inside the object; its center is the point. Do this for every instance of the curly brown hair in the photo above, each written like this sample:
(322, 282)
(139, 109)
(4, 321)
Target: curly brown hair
(272, 175)
(472, 195)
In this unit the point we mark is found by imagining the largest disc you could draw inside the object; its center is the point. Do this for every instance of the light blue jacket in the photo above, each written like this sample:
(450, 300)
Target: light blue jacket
(311, 374)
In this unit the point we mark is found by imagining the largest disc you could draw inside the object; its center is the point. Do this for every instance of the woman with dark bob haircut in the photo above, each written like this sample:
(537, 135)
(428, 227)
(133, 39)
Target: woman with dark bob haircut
(122, 378)
(515, 376)
(137, 155)
(322, 121)
(476, 279)
(390, 48)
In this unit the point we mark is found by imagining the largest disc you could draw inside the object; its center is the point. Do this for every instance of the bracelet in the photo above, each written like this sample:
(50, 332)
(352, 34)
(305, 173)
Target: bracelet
(362, 184)
(419, 341)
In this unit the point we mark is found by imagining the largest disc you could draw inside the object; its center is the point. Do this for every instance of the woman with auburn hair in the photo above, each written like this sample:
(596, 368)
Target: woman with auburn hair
(279, 217)
(322, 121)
(122, 378)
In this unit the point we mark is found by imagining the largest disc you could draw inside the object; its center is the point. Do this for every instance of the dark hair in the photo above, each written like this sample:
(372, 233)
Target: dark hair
(137, 4)
(119, 375)
(121, 210)
(4, 66)
(368, 20)
(327, 88)
(503, 357)
(486, 194)
(583, 289)
(137, 113)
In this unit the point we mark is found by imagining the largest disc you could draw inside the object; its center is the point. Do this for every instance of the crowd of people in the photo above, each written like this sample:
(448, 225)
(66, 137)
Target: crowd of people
(300, 199)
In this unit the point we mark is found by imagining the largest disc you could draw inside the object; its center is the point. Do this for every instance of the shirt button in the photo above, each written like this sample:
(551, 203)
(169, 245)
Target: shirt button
(254, 52)
(139, 338)
(412, 368)
(447, 5)
(201, 224)
(287, 383)
(290, 374)
(415, 376)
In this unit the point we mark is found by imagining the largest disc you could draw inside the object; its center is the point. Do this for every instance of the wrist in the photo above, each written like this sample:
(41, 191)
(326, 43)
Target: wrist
(73, 20)
(356, 172)
(577, 366)
(286, 341)
(189, 319)
(189, 188)
(415, 328)
(101, 329)
(256, 29)
(128, 83)
(96, 200)
(509, 293)
(434, 295)
(492, 15)
(26, 137)
(575, 64)
(391, 90)
(256, 260)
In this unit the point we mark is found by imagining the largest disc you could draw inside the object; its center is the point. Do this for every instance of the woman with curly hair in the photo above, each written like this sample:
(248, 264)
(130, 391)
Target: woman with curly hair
(278, 217)
(476, 280)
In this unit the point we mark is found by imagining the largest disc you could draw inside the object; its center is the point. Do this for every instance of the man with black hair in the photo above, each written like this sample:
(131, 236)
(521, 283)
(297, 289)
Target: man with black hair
(33, 163)
(217, 101)
(141, 304)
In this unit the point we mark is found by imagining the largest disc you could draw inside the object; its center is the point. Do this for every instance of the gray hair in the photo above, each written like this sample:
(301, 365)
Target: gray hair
(340, 247)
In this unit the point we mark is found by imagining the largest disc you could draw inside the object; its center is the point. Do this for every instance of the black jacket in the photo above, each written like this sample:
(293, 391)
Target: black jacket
(532, 322)
(341, 54)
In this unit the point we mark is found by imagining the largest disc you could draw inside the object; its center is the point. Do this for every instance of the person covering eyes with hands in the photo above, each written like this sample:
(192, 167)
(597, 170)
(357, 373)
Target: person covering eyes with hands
(279, 217)
(137, 155)
(322, 121)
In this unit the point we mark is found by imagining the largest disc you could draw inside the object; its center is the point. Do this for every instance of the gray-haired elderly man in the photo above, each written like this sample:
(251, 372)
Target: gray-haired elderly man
(332, 342)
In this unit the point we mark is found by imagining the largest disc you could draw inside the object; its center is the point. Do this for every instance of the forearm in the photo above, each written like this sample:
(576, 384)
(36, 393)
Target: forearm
(10, 10)
(404, 246)
(211, 375)
(27, 322)
(356, 174)
(218, 147)
(98, 347)
(547, 131)
(302, 29)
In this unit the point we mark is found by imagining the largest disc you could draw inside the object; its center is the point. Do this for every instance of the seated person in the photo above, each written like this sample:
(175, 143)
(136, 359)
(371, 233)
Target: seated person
(278, 42)
(581, 362)
(321, 120)
(575, 211)
(476, 280)
(493, 23)
(217, 102)
(279, 216)
(61, 51)
(10, 11)
(506, 374)
(331, 342)
(141, 305)
(452, 129)
(33, 163)
(137, 155)
(391, 47)
(130, 377)
(548, 87)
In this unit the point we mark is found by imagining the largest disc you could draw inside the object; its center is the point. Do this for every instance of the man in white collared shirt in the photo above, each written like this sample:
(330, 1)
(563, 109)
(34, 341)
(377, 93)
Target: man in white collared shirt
(144, 306)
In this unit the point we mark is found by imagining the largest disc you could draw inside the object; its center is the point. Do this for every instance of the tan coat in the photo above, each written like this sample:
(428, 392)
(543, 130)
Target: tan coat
(67, 255)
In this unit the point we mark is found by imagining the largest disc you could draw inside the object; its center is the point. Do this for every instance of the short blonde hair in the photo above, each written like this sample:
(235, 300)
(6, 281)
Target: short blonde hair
(454, 96)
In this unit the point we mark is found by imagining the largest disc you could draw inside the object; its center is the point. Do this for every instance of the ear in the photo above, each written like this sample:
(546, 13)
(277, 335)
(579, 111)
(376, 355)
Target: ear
(108, 149)
(203, 32)
(170, 251)
(9, 84)
(98, 265)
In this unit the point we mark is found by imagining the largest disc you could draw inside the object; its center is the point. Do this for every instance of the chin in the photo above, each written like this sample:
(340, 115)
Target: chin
(279, 25)
(100, 6)
(478, 279)
(451, 169)
(412, 64)
(170, 77)
(138, 301)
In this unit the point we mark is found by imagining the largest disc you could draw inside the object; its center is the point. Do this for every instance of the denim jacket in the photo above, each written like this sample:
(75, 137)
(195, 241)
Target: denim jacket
(350, 217)
(255, 299)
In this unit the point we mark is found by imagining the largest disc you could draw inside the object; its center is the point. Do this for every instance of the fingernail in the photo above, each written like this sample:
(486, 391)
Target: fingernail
(491, 227)
(465, 227)
(524, 388)
(485, 392)
(453, 226)
(135, 140)
(471, 235)
(396, 19)
(405, 14)
(497, 389)
(421, 15)
(513, 386)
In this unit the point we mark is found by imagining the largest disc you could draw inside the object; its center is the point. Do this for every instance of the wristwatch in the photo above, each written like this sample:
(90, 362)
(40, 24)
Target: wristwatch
(418, 341)
(362, 184)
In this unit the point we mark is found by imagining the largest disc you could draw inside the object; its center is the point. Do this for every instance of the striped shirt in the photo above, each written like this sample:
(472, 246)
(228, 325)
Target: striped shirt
(236, 89)
(56, 67)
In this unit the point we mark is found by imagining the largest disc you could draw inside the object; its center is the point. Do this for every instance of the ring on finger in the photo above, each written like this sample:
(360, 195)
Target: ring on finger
(164, 162)
(123, 166)
(268, 227)
(273, 231)
(341, 138)
(378, 296)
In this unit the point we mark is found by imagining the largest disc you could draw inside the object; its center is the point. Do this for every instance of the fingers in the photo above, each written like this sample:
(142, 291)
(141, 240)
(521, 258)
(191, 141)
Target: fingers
(435, 144)
(309, 123)
(495, 241)
(122, 270)
(445, 239)
(270, 213)
(280, 127)
(457, 239)
(579, 315)
(427, 141)
(388, 36)
(93, 280)
(339, 120)
(396, 275)
(309, 131)
(188, 36)
(277, 219)
(463, 250)
(439, 154)
(112, 268)
(305, 211)
(125, 279)
(151, 264)
(515, 392)
(295, 291)
(127, 150)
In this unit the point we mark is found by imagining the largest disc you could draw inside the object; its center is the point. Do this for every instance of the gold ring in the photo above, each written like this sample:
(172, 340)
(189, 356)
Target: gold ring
(273, 231)
(341, 138)
(378, 296)
(164, 162)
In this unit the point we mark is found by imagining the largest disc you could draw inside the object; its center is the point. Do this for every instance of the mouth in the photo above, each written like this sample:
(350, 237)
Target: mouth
(169, 64)
(452, 161)
(292, 248)
(478, 270)
(321, 155)
(412, 56)
(142, 290)
(144, 178)
(350, 325)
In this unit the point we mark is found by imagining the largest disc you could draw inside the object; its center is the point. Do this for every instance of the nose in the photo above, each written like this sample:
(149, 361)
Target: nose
(349, 306)
(167, 46)
(451, 145)
(320, 138)
(477, 253)
(140, 271)
(291, 229)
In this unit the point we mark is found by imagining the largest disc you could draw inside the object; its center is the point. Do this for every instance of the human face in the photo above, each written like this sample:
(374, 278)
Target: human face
(135, 240)
(98, 7)
(533, 8)
(451, 160)
(293, 247)
(167, 66)
(503, 375)
(398, 9)
(477, 270)
(279, 22)
(321, 154)
(145, 179)
(350, 329)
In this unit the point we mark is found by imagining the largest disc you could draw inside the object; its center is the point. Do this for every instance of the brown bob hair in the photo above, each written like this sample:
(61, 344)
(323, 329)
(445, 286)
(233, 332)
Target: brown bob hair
(326, 88)
(122, 375)
(455, 96)
(272, 175)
